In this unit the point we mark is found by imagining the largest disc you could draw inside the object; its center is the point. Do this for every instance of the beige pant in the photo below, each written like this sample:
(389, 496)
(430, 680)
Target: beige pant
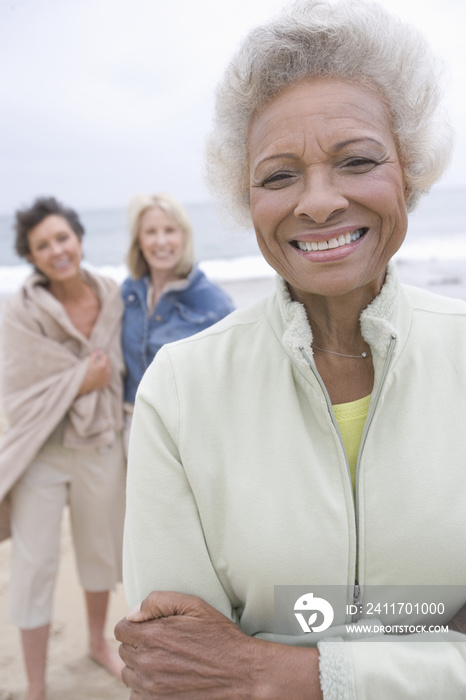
(92, 483)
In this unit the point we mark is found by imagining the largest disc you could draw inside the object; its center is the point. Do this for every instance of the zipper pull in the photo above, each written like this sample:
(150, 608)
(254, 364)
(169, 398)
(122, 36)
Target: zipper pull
(357, 602)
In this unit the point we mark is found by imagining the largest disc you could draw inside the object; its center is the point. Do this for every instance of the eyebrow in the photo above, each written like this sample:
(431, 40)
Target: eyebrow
(349, 142)
(275, 156)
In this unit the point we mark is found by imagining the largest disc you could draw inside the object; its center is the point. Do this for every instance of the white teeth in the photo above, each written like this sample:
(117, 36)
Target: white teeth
(343, 239)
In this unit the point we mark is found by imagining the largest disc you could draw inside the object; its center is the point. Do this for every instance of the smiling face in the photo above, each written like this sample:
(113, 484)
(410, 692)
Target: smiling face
(55, 249)
(161, 241)
(327, 192)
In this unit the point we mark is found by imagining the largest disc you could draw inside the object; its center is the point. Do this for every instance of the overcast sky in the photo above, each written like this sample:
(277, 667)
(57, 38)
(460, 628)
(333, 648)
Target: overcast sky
(101, 99)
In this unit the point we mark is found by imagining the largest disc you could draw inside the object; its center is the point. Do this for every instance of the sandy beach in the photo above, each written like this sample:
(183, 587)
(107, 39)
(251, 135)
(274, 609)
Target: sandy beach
(71, 674)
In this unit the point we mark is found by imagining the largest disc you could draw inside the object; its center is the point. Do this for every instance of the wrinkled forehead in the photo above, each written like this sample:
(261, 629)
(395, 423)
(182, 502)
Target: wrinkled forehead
(328, 109)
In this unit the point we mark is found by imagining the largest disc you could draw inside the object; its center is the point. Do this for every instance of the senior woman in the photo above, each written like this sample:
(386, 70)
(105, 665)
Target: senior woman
(316, 438)
(167, 297)
(62, 397)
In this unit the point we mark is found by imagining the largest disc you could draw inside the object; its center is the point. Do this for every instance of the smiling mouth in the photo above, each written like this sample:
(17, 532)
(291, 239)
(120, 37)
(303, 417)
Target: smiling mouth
(337, 242)
(61, 263)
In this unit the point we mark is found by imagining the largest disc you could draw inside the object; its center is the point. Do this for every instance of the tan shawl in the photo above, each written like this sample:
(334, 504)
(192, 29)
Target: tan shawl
(44, 361)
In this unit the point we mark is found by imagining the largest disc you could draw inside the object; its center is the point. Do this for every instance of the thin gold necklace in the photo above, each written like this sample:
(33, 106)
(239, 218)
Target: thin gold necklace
(362, 356)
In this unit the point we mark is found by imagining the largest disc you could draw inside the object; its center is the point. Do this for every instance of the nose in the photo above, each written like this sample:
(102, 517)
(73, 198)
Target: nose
(161, 237)
(56, 247)
(320, 197)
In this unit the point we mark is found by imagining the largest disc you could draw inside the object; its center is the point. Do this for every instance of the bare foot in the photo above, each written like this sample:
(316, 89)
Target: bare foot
(36, 691)
(108, 659)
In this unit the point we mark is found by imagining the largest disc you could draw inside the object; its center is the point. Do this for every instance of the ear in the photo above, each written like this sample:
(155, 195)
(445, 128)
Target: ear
(29, 258)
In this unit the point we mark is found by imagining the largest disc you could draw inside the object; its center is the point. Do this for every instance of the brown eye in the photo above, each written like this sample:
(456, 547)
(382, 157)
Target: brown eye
(277, 179)
(360, 164)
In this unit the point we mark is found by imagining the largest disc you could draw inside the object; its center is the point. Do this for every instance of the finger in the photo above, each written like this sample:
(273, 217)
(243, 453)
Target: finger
(123, 676)
(132, 637)
(135, 637)
(130, 680)
(160, 604)
(133, 614)
(122, 633)
(128, 654)
(126, 677)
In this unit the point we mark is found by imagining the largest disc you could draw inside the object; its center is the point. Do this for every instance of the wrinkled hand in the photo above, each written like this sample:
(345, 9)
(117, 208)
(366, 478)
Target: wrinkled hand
(98, 373)
(178, 646)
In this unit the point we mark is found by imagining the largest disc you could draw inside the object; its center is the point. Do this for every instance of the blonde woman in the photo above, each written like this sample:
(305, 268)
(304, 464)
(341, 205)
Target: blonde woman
(167, 297)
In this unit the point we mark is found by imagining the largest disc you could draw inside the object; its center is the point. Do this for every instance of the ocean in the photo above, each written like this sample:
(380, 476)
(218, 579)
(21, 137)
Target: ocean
(437, 231)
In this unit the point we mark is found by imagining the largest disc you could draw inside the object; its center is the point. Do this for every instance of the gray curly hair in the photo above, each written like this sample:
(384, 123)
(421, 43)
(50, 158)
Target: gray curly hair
(351, 40)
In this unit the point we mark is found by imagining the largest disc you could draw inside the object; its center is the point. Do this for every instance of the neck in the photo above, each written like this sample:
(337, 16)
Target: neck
(68, 290)
(335, 321)
(159, 281)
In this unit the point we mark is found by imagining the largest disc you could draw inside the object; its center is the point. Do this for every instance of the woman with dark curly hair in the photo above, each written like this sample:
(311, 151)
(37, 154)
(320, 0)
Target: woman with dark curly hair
(62, 391)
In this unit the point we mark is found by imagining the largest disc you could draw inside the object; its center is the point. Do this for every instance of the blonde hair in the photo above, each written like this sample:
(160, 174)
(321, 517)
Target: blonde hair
(351, 40)
(136, 262)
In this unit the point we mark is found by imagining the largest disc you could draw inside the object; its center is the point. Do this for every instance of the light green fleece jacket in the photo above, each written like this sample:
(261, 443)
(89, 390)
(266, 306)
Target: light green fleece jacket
(238, 480)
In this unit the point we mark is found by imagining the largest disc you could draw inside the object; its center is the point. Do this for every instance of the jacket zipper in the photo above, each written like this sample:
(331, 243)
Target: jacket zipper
(357, 593)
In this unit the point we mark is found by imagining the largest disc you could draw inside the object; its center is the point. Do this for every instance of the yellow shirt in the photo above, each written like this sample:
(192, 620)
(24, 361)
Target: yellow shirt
(351, 418)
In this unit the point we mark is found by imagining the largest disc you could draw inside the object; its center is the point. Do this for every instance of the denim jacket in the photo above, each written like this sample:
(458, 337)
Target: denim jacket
(177, 314)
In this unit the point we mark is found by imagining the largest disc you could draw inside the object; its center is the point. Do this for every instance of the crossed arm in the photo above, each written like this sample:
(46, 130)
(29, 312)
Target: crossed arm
(178, 645)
